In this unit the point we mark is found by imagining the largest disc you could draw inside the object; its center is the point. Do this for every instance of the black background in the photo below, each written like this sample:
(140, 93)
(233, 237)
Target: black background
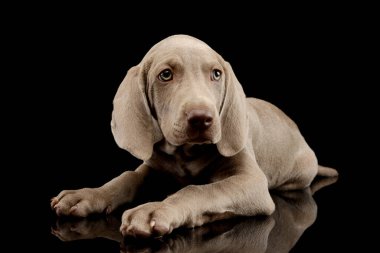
(74, 62)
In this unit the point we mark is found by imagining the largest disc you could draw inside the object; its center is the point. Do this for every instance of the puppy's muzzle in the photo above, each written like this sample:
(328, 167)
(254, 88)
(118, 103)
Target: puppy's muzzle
(199, 120)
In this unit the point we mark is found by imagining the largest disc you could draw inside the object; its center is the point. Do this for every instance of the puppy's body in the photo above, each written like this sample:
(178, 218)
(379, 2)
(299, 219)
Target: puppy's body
(279, 148)
(280, 151)
(183, 112)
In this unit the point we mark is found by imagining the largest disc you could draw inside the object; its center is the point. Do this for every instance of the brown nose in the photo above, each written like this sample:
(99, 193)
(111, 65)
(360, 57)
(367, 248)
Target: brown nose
(199, 119)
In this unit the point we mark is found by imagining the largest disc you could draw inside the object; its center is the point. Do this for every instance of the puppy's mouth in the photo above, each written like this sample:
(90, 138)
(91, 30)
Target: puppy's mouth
(193, 137)
(199, 137)
(199, 140)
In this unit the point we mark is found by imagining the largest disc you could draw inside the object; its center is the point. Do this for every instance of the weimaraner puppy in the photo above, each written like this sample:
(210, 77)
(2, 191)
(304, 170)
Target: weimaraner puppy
(183, 112)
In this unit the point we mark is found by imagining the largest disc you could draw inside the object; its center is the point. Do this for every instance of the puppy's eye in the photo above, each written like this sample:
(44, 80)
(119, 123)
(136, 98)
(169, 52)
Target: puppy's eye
(165, 75)
(216, 74)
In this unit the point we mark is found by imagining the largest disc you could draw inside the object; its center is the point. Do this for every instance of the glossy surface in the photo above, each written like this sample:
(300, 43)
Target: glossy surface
(296, 212)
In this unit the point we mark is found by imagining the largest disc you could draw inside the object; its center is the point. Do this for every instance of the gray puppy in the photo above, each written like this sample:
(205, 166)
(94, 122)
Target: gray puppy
(183, 112)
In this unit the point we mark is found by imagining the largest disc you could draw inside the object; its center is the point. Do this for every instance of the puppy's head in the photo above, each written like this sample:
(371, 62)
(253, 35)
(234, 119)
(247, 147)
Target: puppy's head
(182, 91)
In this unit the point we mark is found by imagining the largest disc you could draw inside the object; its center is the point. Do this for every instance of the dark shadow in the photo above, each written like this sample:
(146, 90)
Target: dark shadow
(295, 212)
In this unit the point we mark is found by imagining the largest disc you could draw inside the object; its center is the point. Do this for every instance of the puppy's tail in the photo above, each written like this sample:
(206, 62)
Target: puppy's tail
(328, 176)
(327, 172)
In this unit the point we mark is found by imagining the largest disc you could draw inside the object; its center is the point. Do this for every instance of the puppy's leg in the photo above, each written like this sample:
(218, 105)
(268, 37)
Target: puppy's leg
(304, 171)
(239, 191)
(108, 197)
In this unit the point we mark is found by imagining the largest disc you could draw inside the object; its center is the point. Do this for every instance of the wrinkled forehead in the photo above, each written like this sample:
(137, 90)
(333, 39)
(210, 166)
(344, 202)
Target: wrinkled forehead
(182, 48)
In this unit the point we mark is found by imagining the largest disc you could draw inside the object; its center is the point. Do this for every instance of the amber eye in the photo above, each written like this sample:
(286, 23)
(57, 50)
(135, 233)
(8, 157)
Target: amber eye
(165, 75)
(216, 74)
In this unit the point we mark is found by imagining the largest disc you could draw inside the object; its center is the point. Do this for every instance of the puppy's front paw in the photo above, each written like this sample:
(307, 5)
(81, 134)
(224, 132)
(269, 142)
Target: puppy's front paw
(79, 203)
(150, 219)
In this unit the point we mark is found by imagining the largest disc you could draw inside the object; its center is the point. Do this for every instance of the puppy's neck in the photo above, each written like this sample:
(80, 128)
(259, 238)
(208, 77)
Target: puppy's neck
(185, 161)
(167, 148)
(170, 149)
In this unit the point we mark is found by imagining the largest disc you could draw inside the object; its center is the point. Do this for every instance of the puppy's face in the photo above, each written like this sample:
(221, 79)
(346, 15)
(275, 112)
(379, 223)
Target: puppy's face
(185, 88)
(182, 91)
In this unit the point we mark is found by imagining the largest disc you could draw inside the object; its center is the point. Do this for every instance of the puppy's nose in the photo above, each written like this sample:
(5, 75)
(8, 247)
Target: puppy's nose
(199, 119)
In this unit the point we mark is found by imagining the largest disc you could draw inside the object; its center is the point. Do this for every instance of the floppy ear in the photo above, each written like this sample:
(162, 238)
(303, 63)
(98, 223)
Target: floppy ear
(233, 116)
(133, 126)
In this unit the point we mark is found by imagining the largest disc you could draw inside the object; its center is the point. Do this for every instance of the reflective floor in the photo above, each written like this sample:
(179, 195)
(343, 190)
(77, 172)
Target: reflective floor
(284, 231)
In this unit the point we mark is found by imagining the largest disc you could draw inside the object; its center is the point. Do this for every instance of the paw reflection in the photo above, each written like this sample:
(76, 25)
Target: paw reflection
(295, 212)
(70, 229)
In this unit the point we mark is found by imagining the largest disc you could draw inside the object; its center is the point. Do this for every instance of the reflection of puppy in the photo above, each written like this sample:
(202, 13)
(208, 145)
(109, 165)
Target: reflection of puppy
(74, 229)
(295, 212)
